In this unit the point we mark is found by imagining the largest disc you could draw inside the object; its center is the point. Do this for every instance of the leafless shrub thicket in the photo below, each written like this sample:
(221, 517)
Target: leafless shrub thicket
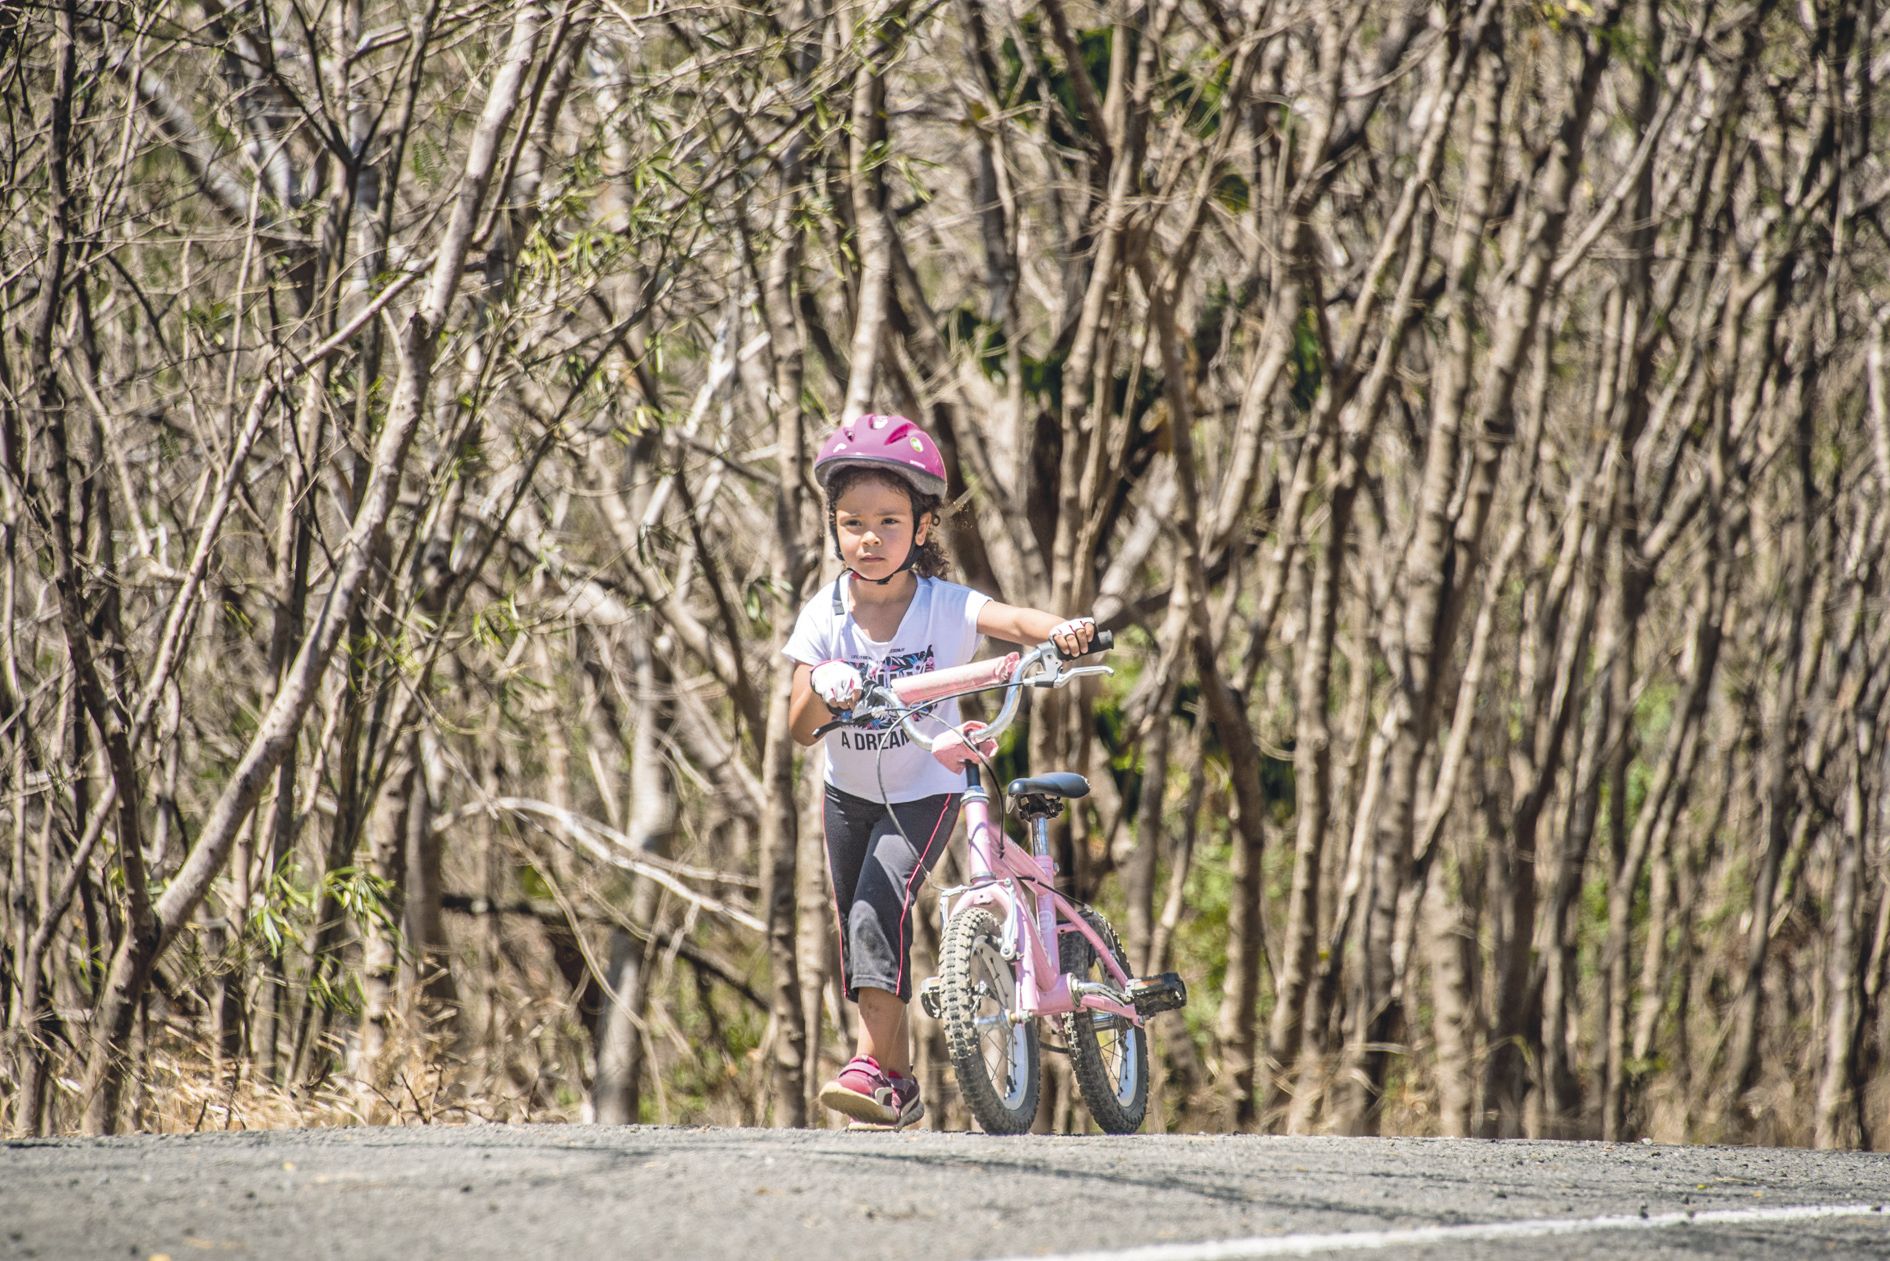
(1473, 415)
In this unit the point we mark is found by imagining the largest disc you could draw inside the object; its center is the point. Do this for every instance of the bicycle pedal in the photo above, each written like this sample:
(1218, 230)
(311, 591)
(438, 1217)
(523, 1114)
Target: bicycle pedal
(1152, 994)
(928, 998)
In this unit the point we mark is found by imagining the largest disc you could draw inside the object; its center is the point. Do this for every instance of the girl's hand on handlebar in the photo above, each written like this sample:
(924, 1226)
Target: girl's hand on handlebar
(959, 747)
(1073, 637)
(837, 684)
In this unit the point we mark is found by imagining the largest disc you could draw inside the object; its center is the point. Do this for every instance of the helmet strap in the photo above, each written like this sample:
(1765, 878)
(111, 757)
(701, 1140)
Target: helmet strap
(912, 558)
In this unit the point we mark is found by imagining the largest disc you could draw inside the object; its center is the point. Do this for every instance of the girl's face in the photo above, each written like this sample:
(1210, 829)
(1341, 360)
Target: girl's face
(873, 519)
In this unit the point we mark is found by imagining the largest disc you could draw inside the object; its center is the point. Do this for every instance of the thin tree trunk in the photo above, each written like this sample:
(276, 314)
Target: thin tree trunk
(789, 567)
(1448, 947)
(388, 849)
(621, 1032)
(1840, 1105)
(1140, 865)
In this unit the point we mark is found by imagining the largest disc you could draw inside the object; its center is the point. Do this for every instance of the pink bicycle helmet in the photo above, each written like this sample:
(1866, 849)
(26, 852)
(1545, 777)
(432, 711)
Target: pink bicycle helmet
(891, 443)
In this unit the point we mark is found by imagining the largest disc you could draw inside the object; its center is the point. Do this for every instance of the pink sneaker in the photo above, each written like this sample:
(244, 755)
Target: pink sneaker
(904, 1098)
(872, 1098)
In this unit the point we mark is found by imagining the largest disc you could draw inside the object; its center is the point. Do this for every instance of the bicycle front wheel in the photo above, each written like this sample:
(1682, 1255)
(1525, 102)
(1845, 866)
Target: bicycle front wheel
(995, 1059)
(1108, 1053)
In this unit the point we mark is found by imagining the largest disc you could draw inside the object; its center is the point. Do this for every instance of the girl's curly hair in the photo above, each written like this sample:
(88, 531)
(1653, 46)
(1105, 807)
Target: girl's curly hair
(932, 561)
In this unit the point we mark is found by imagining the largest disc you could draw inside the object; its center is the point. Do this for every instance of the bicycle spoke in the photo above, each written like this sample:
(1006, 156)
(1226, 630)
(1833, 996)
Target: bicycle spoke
(998, 1036)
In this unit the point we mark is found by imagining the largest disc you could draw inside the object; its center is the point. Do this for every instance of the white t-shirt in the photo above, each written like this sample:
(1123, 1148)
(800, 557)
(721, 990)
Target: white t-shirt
(939, 630)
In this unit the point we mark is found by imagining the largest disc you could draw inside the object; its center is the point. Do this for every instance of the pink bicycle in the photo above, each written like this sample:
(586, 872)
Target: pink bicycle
(1015, 949)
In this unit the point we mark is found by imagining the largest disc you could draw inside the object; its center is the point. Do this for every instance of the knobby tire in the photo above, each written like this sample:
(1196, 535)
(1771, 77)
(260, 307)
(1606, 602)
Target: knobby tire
(1099, 1079)
(969, 951)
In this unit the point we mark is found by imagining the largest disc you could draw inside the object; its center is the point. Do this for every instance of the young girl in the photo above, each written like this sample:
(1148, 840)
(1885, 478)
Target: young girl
(889, 614)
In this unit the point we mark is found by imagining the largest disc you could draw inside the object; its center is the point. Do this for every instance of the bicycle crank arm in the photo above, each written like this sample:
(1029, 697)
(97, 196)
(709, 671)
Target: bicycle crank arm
(1079, 989)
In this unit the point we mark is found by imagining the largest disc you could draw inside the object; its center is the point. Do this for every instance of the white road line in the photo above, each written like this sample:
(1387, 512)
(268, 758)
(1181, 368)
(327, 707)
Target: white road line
(1376, 1240)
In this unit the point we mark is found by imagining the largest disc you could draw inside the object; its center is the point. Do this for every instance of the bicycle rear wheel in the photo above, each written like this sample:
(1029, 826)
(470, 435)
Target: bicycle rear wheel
(995, 1060)
(1109, 1054)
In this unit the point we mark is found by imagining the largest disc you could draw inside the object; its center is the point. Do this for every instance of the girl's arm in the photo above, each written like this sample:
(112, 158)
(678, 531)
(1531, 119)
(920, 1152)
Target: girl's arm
(806, 711)
(1033, 626)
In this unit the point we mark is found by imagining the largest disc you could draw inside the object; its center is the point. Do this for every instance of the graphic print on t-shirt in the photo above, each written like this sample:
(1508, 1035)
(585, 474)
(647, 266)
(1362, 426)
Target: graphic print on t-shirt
(895, 665)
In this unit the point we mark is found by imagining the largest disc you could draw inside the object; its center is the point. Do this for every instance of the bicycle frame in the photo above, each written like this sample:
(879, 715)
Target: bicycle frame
(1021, 889)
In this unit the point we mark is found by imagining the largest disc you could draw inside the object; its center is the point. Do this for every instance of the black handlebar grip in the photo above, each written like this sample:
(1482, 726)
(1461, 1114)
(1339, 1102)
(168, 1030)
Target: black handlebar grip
(1101, 641)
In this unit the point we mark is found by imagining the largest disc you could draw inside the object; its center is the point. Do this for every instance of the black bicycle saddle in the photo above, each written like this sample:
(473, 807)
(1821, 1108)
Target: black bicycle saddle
(1055, 784)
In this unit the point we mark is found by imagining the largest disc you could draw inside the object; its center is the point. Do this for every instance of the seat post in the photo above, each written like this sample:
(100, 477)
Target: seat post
(1046, 908)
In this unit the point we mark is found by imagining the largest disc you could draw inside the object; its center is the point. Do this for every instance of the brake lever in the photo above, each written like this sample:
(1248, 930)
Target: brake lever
(875, 703)
(1077, 672)
(1062, 677)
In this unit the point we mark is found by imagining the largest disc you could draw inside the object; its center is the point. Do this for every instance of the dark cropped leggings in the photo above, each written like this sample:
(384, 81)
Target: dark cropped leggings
(877, 875)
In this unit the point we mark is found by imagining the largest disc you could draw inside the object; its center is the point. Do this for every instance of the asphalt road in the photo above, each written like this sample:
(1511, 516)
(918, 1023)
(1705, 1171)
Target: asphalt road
(590, 1192)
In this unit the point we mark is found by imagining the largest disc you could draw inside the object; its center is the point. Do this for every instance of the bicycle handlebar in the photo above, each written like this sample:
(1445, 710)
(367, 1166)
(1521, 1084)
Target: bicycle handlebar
(1012, 672)
(918, 689)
